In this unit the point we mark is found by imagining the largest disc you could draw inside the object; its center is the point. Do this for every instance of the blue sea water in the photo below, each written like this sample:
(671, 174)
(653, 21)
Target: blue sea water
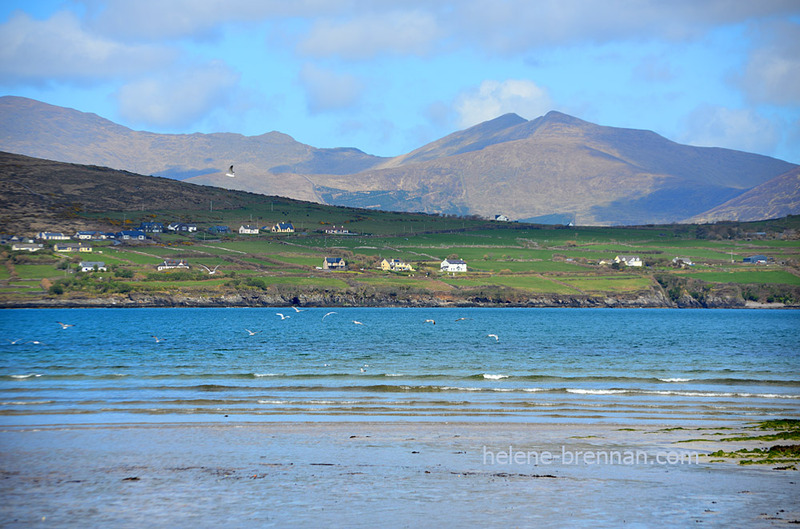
(544, 365)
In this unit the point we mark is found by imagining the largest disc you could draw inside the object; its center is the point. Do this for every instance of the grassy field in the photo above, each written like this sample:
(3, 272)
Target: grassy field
(503, 258)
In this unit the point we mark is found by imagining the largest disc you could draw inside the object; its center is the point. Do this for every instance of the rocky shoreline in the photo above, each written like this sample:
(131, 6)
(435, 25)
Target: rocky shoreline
(329, 299)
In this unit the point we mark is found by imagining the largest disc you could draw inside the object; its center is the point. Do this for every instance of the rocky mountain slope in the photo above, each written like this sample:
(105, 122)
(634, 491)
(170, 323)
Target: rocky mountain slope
(552, 167)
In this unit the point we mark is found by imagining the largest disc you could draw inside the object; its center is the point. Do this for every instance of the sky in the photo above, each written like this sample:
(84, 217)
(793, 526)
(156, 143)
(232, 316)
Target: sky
(388, 76)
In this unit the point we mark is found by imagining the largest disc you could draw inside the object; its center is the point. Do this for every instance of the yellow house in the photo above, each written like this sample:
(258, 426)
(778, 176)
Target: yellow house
(283, 227)
(396, 265)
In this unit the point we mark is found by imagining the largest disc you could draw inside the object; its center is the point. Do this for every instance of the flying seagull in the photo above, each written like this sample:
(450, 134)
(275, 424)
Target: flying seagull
(328, 314)
(298, 310)
(230, 172)
(159, 340)
(66, 325)
(496, 338)
(252, 333)
(430, 321)
(282, 316)
(462, 319)
(357, 322)
(210, 271)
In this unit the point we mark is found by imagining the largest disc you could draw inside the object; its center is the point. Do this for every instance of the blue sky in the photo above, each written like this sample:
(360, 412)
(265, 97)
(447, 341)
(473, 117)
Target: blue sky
(388, 76)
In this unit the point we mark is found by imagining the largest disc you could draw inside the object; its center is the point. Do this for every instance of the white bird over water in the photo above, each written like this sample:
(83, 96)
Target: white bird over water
(282, 316)
(230, 172)
(66, 325)
(298, 310)
(159, 340)
(210, 271)
(496, 338)
(328, 314)
(252, 333)
(430, 321)
(357, 322)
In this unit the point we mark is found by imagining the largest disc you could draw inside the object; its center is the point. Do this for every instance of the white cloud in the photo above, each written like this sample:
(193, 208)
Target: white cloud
(495, 98)
(177, 99)
(369, 35)
(60, 49)
(740, 129)
(772, 74)
(511, 26)
(328, 90)
(170, 19)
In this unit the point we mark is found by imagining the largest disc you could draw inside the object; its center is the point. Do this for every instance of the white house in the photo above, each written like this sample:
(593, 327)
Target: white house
(629, 260)
(50, 236)
(453, 265)
(91, 266)
(247, 229)
(170, 264)
(26, 247)
(501, 218)
(682, 262)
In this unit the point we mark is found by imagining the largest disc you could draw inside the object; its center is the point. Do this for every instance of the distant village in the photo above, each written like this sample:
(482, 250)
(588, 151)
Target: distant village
(81, 243)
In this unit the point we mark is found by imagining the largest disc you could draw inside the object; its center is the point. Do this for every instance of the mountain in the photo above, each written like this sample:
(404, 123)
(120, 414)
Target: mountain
(557, 165)
(37, 194)
(45, 131)
(552, 167)
(776, 198)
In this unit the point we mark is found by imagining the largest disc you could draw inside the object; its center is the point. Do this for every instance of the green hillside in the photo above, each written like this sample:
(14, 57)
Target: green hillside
(508, 263)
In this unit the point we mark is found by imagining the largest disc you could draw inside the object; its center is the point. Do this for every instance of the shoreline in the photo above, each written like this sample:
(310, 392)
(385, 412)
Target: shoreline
(181, 301)
(400, 474)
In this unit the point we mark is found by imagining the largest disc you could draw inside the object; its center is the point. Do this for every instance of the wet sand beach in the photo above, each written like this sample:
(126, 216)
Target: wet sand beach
(393, 474)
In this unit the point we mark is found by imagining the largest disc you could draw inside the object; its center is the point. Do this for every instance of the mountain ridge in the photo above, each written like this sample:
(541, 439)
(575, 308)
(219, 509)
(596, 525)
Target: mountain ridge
(553, 165)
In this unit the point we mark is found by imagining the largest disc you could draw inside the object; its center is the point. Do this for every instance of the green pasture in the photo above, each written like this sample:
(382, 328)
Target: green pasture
(617, 283)
(25, 271)
(771, 277)
(402, 281)
(524, 282)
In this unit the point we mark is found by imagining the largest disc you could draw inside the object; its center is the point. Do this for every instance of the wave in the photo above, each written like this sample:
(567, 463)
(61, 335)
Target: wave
(355, 374)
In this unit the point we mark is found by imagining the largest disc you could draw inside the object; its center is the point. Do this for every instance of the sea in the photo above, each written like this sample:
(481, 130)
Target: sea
(388, 364)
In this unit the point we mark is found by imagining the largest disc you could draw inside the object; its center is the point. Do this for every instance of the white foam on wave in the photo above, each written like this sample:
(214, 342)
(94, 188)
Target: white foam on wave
(723, 394)
(494, 377)
(597, 391)
(25, 402)
(675, 379)
(266, 375)
(25, 376)
(273, 402)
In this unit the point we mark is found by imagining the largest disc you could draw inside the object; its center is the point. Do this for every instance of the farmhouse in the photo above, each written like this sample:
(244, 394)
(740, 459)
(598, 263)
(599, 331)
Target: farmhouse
(170, 264)
(26, 247)
(628, 260)
(682, 262)
(50, 236)
(219, 229)
(184, 227)
(71, 247)
(396, 265)
(341, 230)
(283, 227)
(151, 227)
(91, 266)
(131, 235)
(453, 265)
(501, 218)
(247, 229)
(334, 263)
(758, 259)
